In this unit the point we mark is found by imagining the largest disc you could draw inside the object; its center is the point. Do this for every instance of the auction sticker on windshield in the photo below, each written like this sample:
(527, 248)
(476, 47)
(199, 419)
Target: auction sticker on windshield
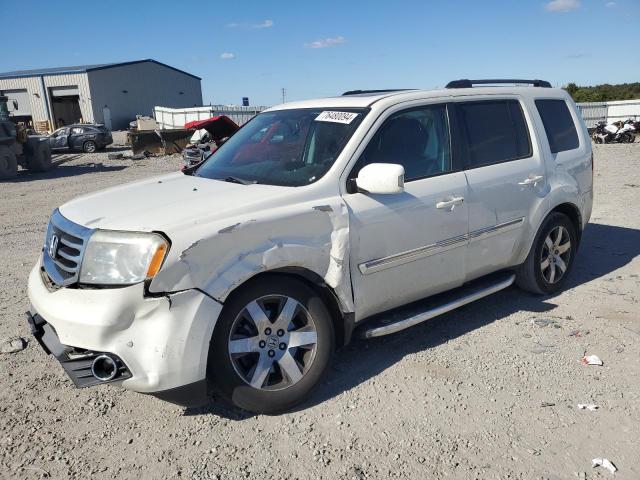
(336, 117)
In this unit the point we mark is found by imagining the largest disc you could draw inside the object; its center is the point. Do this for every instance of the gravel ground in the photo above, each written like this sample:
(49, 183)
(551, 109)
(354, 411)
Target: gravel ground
(488, 391)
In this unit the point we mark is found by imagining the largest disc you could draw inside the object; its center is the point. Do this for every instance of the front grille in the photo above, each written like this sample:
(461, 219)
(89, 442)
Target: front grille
(64, 247)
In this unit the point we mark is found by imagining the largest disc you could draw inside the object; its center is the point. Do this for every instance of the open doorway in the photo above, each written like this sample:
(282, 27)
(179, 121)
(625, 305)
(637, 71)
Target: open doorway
(65, 106)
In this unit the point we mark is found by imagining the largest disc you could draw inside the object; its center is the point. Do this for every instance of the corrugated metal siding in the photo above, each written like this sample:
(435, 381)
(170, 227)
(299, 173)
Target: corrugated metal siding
(593, 112)
(33, 85)
(146, 85)
(177, 117)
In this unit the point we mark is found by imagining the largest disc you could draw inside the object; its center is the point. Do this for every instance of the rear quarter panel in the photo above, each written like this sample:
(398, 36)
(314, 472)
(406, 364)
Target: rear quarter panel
(568, 173)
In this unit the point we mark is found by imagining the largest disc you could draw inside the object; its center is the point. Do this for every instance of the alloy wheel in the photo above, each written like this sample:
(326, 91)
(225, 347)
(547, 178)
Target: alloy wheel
(272, 342)
(556, 255)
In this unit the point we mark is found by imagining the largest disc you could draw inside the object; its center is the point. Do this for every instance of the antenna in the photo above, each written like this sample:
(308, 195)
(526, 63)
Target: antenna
(284, 94)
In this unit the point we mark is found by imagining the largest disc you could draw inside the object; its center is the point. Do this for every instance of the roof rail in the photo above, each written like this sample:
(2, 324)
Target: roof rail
(470, 83)
(387, 90)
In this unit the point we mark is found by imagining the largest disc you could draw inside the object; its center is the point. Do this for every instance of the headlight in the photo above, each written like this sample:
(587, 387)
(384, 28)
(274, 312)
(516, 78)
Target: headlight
(122, 258)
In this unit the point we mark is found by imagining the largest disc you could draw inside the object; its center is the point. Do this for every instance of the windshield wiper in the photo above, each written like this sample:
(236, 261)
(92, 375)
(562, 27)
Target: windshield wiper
(240, 181)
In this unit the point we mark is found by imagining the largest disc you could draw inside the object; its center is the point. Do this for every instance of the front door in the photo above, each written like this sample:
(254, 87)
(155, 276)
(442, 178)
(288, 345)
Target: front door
(506, 176)
(409, 245)
(60, 138)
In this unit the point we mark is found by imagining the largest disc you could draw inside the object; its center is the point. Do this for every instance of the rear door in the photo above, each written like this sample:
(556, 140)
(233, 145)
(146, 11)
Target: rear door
(77, 137)
(506, 176)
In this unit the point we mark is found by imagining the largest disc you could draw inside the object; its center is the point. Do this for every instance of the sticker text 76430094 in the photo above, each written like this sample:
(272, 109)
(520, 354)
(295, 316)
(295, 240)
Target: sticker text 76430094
(336, 117)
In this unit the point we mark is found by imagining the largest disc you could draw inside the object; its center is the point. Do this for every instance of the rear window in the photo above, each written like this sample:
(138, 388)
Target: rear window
(558, 124)
(496, 131)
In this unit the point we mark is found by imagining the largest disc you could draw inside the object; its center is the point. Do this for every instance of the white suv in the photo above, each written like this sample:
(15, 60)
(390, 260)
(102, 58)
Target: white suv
(368, 212)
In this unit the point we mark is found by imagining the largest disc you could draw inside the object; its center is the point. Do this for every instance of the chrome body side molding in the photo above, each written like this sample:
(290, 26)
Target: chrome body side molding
(391, 261)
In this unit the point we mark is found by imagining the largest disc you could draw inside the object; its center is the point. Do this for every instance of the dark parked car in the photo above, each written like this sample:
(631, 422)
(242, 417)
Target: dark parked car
(85, 137)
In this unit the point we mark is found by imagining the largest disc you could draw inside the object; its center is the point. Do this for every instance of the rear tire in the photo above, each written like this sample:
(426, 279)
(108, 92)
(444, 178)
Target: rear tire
(551, 257)
(89, 146)
(8, 163)
(261, 361)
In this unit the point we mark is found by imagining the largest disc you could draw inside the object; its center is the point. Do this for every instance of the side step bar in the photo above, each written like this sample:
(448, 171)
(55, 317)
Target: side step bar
(405, 317)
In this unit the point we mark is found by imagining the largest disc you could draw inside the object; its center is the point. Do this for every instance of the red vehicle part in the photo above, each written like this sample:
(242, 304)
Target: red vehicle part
(218, 127)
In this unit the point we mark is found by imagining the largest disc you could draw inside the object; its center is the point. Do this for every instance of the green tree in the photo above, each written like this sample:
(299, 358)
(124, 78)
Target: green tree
(604, 92)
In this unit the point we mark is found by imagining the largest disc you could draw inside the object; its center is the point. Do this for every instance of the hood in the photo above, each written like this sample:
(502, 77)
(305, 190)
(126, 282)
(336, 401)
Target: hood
(168, 203)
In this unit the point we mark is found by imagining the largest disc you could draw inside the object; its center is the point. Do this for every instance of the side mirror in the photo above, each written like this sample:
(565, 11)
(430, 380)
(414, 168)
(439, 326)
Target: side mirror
(381, 178)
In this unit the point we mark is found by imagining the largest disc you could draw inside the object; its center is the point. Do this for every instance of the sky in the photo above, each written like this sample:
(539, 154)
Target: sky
(316, 49)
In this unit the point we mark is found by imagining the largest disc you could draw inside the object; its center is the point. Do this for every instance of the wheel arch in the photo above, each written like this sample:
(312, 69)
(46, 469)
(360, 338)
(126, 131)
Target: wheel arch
(573, 212)
(343, 322)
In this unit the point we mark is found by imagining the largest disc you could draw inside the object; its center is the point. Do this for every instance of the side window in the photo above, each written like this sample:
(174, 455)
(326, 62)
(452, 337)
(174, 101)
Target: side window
(558, 124)
(76, 131)
(417, 139)
(496, 131)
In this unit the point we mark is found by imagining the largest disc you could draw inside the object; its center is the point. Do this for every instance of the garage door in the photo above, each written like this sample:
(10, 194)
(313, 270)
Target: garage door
(64, 91)
(18, 103)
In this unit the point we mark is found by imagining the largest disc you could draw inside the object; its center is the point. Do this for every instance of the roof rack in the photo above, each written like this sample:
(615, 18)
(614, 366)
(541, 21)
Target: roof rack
(387, 90)
(470, 83)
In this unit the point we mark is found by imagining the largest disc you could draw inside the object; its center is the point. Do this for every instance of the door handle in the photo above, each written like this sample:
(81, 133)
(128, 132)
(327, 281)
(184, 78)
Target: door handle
(531, 181)
(450, 203)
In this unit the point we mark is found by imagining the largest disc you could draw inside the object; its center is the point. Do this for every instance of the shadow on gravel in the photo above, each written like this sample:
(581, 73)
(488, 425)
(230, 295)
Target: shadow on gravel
(63, 171)
(115, 149)
(220, 409)
(604, 249)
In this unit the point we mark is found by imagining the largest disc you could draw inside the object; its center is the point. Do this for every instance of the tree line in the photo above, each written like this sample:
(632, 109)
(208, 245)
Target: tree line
(604, 93)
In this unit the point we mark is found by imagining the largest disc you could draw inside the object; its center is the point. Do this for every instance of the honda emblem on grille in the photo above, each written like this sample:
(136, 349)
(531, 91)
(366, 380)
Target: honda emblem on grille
(53, 246)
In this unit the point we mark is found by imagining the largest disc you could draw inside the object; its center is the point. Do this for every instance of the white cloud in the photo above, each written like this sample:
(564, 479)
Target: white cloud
(227, 56)
(326, 42)
(574, 56)
(562, 5)
(610, 4)
(265, 24)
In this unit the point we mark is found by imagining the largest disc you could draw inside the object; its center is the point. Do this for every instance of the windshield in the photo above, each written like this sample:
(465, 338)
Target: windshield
(285, 147)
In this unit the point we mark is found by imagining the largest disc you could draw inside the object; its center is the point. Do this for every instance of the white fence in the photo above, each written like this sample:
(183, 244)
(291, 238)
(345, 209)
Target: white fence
(167, 118)
(594, 112)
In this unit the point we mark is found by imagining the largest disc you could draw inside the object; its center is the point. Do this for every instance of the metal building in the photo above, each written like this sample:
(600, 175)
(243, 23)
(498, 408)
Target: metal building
(112, 93)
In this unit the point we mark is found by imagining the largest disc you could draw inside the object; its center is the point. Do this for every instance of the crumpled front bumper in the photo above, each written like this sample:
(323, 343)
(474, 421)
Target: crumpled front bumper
(162, 341)
(76, 363)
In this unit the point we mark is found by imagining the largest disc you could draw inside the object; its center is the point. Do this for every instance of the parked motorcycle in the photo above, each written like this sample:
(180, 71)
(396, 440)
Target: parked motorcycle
(632, 127)
(616, 132)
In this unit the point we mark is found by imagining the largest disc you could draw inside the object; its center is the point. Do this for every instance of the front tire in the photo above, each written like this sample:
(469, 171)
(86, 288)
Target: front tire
(8, 163)
(39, 159)
(272, 344)
(551, 257)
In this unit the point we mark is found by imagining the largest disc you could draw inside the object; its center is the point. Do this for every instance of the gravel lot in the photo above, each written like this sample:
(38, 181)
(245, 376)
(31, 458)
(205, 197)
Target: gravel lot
(488, 391)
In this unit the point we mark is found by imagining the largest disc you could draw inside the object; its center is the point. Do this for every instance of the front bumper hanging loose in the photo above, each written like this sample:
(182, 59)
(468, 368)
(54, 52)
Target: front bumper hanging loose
(77, 363)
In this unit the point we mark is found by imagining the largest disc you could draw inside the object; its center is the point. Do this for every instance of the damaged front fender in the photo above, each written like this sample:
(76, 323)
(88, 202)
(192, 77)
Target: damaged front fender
(313, 236)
